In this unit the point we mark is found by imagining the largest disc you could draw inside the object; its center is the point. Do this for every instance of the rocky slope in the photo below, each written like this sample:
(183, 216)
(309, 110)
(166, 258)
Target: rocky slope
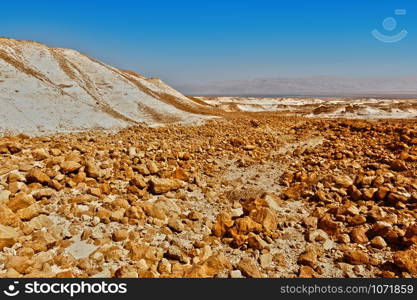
(46, 90)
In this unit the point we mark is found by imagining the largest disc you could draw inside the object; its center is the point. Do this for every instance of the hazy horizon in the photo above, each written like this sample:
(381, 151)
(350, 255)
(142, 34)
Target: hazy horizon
(307, 86)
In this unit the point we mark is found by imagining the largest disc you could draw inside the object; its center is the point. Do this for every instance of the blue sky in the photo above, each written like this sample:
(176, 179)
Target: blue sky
(203, 41)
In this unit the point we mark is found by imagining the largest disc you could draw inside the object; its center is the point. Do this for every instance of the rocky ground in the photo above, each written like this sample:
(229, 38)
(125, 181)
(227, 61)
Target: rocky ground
(255, 195)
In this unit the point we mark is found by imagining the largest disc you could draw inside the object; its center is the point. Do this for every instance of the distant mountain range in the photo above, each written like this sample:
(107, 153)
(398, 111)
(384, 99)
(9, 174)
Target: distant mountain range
(320, 85)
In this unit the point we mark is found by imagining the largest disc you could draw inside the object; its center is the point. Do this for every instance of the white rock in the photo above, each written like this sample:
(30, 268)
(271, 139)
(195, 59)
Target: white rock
(80, 249)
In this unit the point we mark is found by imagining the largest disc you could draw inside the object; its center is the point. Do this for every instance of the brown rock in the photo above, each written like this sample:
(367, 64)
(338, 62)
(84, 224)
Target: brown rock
(368, 194)
(306, 272)
(141, 251)
(180, 174)
(310, 222)
(8, 217)
(19, 263)
(320, 196)
(95, 192)
(238, 239)
(328, 225)
(356, 257)
(394, 198)
(174, 252)
(352, 210)
(142, 169)
(381, 228)
(11, 148)
(103, 214)
(163, 185)
(56, 152)
(8, 236)
(70, 166)
(36, 175)
(43, 193)
(44, 237)
(381, 193)
(15, 177)
(120, 235)
(82, 199)
(247, 224)
(398, 165)
(40, 222)
(407, 261)
(293, 192)
(378, 242)
(255, 241)
(317, 235)
(155, 210)
(65, 274)
(343, 181)
(267, 217)
(249, 268)
(355, 193)
(357, 220)
(152, 167)
(79, 177)
(308, 258)
(343, 238)
(223, 223)
(195, 215)
(164, 267)
(175, 224)
(358, 235)
(126, 272)
(377, 213)
(279, 259)
(19, 201)
(92, 170)
(40, 154)
(410, 237)
(138, 181)
(4, 196)
(388, 274)
(210, 267)
(252, 204)
(29, 212)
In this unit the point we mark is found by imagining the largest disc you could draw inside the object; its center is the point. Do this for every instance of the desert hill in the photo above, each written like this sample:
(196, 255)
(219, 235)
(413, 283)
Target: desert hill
(47, 90)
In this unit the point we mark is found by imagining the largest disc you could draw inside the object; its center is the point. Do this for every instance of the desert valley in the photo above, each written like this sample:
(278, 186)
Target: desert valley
(106, 173)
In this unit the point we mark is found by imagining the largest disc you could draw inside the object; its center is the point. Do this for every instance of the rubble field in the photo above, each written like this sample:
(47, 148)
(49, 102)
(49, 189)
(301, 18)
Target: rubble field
(248, 195)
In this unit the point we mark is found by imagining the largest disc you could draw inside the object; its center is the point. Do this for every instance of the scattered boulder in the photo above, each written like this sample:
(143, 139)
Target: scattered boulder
(356, 257)
(70, 167)
(249, 268)
(163, 185)
(36, 175)
(407, 261)
(8, 236)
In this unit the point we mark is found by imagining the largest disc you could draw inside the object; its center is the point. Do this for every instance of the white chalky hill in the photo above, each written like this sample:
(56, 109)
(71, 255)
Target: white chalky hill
(48, 90)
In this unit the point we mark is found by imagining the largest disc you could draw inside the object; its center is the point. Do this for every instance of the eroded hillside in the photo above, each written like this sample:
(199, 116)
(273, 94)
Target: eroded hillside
(48, 90)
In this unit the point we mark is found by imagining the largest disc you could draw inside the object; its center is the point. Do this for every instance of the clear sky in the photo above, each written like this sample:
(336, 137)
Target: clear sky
(201, 41)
